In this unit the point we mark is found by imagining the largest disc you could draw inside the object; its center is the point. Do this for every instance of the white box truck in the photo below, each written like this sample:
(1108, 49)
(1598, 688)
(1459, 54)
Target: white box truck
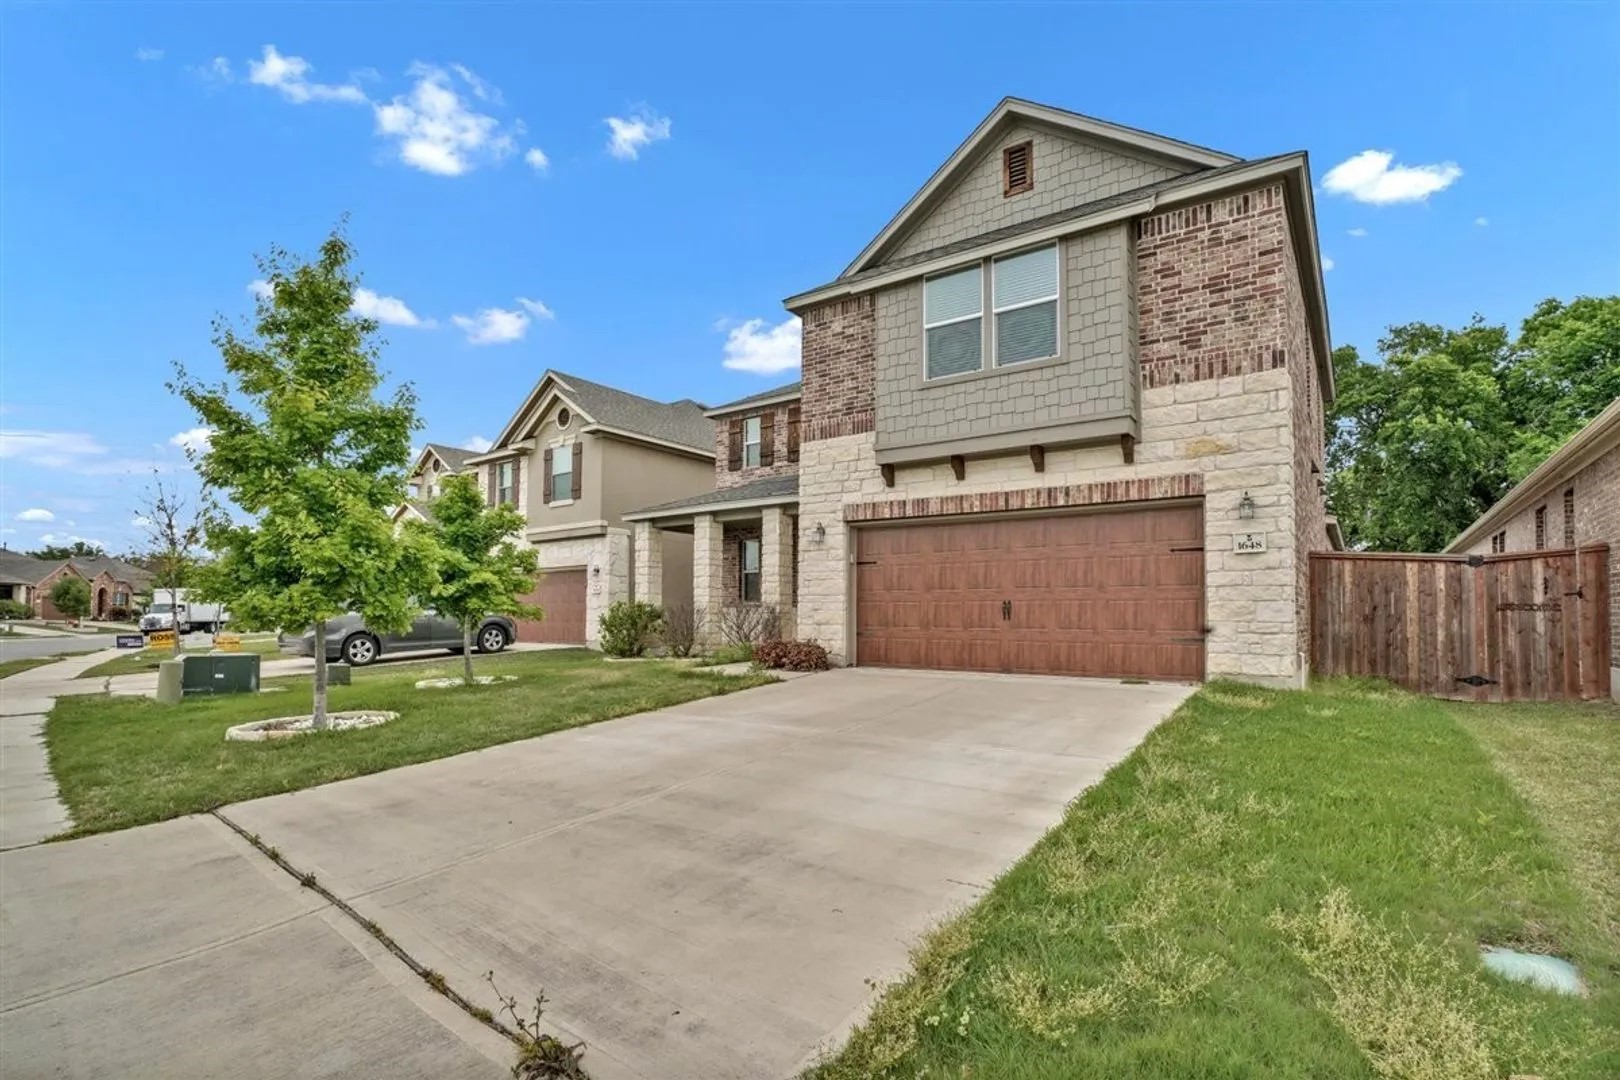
(171, 608)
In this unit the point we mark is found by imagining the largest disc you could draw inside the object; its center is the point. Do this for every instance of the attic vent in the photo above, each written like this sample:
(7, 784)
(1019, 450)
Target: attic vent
(1018, 168)
(563, 416)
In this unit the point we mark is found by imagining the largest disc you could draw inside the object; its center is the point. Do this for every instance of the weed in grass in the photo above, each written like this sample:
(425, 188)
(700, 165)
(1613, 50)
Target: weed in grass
(540, 1056)
(1234, 700)
(1321, 712)
(435, 980)
(1052, 1012)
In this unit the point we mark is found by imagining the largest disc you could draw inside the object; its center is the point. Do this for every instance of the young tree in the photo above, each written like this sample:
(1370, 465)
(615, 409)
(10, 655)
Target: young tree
(71, 596)
(175, 527)
(481, 572)
(305, 448)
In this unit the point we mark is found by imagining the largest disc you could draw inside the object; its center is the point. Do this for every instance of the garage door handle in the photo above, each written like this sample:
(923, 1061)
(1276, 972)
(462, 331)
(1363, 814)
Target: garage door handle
(1006, 610)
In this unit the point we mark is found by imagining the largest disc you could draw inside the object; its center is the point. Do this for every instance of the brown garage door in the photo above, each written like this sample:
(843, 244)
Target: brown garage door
(1113, 594)
(561, 595)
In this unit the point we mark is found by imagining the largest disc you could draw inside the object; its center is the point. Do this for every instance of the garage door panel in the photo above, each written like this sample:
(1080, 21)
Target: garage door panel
(561, 595)
(1099, 594)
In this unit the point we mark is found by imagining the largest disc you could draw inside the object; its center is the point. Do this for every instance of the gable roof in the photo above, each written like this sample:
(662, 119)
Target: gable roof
(1010, 111)
(454, 457)
(787, 392)
(605, 408)
(118, 568)
(19, 569)
(1601, 435)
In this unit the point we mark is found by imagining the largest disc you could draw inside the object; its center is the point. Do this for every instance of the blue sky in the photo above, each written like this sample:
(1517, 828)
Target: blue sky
(694, 166)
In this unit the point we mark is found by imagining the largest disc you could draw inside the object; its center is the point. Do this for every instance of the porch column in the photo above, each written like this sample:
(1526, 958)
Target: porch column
(649, 557)
(708, 569)
(776, 563)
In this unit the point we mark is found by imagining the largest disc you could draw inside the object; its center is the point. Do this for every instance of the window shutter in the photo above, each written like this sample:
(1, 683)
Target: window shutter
(489, 475)
(734, 453)
(793, 433)
(577, 476)
(767, 438)
(517, 482)
(545, 478)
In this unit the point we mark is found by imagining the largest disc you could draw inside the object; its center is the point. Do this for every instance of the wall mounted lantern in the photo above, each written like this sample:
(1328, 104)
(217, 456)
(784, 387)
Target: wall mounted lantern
(1246, 507)
(818, 534)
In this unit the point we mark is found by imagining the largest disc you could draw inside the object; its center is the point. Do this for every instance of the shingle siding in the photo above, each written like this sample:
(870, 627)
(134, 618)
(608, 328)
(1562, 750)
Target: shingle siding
(1067, 172)
(1096, 377)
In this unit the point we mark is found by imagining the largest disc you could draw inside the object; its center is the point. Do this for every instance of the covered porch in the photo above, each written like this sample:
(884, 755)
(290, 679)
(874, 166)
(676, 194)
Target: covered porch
(745, 544)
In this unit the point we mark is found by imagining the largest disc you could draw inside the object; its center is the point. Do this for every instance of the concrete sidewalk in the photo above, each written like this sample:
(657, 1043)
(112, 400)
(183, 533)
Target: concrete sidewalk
(31, 808)
(176, 950)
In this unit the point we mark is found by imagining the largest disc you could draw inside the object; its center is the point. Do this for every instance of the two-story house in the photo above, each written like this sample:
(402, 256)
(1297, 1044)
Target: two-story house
(1063, 414)
(743, 533)
(574, 457)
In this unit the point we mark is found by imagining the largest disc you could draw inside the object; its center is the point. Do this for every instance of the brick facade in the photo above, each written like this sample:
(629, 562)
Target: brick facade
(725, 476)
(837, 351)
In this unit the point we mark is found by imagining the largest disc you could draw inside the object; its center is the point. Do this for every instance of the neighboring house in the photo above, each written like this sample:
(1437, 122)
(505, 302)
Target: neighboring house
(113, 582)
(1570, 500)
(1063, 414)
(574, 457)
(744, 532)
(433, 465)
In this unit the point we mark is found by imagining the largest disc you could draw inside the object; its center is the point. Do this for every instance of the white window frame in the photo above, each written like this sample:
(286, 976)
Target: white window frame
(757, 426)
(505, 483)
(564, 493)
(927, 326)
(1056, 299)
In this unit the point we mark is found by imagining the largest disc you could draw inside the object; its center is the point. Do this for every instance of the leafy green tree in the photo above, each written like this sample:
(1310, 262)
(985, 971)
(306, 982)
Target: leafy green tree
(481, 571)
(71, 596)
(79, 549)
(305, 449)
(174, 525)
(1567, 370)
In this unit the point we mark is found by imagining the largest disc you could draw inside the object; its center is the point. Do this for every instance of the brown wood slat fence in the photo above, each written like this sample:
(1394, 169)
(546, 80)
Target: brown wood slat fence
(1529, 626)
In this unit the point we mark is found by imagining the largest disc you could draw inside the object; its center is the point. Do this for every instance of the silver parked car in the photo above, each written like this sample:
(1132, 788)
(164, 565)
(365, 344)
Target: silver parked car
(347, 638)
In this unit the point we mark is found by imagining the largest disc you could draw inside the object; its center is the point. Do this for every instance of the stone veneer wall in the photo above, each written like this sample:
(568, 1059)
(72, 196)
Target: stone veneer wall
(606, 560)
(1220, 363)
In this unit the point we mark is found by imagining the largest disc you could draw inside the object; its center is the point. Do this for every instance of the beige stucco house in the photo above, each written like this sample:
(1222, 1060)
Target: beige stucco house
(1570, 500)
(574, 457)
(1063, 414)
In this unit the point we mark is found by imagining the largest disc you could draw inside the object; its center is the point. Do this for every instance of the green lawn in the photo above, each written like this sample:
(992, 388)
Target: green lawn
(141, 660)
(23, 663)
(1290, 884)
(127, 761)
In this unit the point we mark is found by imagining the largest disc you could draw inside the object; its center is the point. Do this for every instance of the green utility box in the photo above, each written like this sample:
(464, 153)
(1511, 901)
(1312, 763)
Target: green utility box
(221, 673)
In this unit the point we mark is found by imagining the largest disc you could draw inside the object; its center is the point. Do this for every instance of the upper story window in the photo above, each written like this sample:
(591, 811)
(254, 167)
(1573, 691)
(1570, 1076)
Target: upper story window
(1026, 303)
(505, 483)
(1499, 543)
(953, 324)
(1024, 309)
(562, 473)
(751, 442)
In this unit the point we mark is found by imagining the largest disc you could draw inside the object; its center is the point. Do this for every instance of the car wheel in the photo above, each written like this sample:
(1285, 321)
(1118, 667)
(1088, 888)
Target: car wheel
(491, 639)
(360, 650)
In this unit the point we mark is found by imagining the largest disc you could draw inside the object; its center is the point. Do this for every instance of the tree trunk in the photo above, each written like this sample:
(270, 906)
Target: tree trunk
(466, 651)
(174, 617)
(320, 721)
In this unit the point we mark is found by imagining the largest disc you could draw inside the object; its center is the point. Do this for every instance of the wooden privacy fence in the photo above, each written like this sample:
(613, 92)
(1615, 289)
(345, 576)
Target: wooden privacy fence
(1530, 626)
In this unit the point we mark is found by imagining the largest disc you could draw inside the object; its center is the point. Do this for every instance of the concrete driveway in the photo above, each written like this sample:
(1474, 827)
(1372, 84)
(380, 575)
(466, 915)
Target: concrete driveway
(700, 891)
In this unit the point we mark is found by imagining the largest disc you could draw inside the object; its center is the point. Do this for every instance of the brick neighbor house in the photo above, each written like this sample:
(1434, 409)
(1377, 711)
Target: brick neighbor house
(1570, 500)
(1063, 414)
(113, 583)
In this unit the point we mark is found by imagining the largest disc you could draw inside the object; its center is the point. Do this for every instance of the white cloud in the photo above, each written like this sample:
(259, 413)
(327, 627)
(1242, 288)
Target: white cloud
(288, 75)
(1358, 232)
(438, 131)
(629, 134)
(216, 70)
(1482, 222)
(388, 310)
(261, 289)
(753, 346)
(477, 444)
(147, 56)
(1327, 263)
(66, 539)
(1370, 177)
(140, 522)
(493, 326)
(537, 160)
(482, 90)
(35, 513)
(537, 309)
(194, 440)
(51, 449)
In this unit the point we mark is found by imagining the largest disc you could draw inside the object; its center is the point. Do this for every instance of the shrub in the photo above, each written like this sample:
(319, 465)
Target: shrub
(15, 609)
(792, 656)
(683, 624)
(118, 614)
(733, 654)
(628, 626)
(744, 623)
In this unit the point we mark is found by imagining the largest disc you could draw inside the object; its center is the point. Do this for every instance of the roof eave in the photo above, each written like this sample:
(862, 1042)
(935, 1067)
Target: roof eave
(752, 403)
(674, 512)
(649, 440)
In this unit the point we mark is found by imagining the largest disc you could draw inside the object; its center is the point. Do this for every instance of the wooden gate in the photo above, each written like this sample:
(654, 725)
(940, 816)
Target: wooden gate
(1530, 626)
